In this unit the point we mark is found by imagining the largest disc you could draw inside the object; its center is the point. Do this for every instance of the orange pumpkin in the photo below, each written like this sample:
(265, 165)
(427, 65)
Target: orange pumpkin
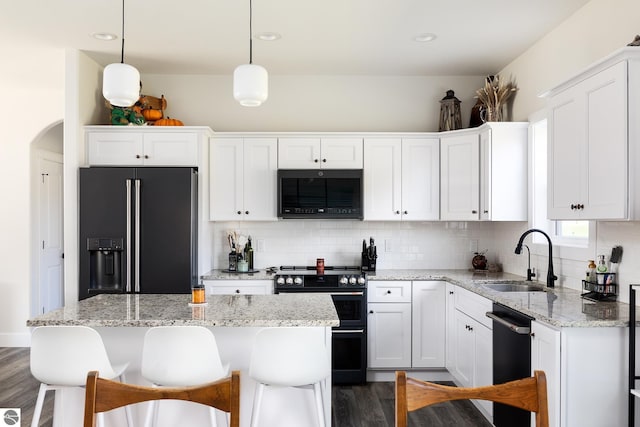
(168, 122)
(151, 115)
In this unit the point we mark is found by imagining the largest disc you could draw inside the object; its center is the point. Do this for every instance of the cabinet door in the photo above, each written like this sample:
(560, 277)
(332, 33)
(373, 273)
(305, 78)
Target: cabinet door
(341, 153)
(171, 149)
(428, 324)
(483, 363)
(226, 179)
(464, 357)
(460, 177)
(389, 335)
(260, 168)
(115, 149)
(238, 287)
(420, 179)
(545, 356)
(607, 187)
(382, 179)
(299, 153)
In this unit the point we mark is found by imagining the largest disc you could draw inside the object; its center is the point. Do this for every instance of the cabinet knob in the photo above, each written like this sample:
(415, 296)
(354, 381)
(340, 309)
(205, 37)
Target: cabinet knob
(486, 211)
(239, 212)
(388, 292)
(470, 328)
(532, 334)
(324, 160)
(137, 156)
(146, 156)
(474, 212)
(246, 212)
(397, 212)
(370, 311)
(573, 207)
(450, 292)
(315, 160)
(237, 291)
(405, 212)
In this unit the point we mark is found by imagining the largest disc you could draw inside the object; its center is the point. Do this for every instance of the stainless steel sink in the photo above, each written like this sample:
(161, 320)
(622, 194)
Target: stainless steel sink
(513, 287)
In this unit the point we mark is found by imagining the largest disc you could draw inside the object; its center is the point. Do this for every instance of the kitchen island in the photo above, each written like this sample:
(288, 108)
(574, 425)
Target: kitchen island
(122, 321)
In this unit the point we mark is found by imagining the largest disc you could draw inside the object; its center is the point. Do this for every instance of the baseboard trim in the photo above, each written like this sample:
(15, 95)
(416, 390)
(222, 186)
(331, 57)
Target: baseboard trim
(15, 340)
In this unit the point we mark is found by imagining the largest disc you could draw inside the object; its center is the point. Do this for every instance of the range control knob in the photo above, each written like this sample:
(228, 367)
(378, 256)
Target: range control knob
(361, 280)
(352, 280)
(280, 280)
(298, 280)
(344, 280)
(289, 281)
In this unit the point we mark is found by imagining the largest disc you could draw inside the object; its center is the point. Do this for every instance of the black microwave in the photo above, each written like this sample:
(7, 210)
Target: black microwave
(320, 194)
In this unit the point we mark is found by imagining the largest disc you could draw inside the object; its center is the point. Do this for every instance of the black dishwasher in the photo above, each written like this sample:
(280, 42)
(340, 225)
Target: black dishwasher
(511, 360)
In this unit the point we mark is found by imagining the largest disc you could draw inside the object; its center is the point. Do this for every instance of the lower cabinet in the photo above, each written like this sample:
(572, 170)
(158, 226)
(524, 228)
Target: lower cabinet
(545, 356)
(469, 340)
(233, 287)
(406, 324)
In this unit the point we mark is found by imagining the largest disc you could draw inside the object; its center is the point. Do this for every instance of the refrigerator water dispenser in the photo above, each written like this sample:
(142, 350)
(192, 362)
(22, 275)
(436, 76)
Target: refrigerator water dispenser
(105, 264)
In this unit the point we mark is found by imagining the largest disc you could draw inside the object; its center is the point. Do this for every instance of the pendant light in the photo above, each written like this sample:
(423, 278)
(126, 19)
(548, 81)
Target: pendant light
(250, 81)
(120, 81)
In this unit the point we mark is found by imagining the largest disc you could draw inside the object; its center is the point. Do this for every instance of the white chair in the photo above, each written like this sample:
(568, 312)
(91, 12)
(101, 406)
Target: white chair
(289, 357)
(62, 356)
(179, 356)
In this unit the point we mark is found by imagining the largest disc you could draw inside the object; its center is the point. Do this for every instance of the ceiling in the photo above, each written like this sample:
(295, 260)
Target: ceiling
(336, 37)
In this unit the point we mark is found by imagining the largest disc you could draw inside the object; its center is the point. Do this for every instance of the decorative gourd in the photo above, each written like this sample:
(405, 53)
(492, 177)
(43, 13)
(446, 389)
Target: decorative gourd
(168, 122)
(152, 115)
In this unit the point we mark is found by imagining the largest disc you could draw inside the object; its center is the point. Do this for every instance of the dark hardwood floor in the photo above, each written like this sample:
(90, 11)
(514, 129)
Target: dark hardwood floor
(369, 405)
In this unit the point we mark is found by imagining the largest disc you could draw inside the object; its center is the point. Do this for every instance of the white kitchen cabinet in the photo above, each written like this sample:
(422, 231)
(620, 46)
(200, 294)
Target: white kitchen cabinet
(472, 346)
(243, 174)
(389, 324)
(320, 153)
(450, 326)
(144, 145)
(428, 324)
(484, 173)
(238, 287)
(591, 138)
(401, 179)
(545, 356)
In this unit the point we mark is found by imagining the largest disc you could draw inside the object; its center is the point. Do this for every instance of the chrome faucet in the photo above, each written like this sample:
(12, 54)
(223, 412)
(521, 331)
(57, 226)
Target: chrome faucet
(551, 278)
(530, 273)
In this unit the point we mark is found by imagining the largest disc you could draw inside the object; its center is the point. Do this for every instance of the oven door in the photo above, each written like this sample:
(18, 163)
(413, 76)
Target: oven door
(351, 308)
(349, 356)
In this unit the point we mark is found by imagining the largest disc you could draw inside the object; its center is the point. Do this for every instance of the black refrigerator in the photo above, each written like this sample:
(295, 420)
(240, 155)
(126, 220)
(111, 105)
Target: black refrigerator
(138, 230)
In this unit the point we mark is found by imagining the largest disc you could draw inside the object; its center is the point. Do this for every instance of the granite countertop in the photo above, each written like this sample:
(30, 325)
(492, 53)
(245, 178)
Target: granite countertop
(222, 275)
(148, 310)
(561, 307)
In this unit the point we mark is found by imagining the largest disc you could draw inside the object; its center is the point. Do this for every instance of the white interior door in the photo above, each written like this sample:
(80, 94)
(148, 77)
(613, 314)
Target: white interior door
(50, 218)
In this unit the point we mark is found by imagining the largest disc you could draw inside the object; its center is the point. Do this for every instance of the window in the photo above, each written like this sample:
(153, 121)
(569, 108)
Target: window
(574, 239)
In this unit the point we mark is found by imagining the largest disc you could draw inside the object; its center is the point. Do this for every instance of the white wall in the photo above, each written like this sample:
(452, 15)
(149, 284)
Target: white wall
(33, 100)
(596, 30)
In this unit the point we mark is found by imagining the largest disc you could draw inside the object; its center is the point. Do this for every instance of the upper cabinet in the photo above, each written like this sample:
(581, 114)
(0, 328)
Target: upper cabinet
(320, 153)
(483, 173)
(592, 137)
(401, 179)
(144, 145)
(243, 179)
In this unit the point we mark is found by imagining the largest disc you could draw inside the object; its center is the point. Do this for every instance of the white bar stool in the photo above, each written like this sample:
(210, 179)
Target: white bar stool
(289, 357)
(178, 356)
(62, 356)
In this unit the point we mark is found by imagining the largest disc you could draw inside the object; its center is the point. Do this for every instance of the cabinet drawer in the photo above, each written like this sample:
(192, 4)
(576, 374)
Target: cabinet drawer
(473, 305)
(389, 291)
(239, 287)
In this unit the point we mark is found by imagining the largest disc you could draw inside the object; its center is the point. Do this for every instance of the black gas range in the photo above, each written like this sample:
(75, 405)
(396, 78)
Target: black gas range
(347, 286)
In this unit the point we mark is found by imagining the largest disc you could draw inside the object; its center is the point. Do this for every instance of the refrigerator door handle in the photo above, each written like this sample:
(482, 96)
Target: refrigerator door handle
(128, 238)
(137, 236)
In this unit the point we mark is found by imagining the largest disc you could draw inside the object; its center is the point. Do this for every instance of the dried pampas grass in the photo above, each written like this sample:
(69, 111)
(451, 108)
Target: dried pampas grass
(494, 95)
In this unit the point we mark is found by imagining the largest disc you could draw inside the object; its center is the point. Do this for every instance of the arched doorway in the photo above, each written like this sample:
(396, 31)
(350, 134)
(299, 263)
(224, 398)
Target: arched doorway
(47, 215)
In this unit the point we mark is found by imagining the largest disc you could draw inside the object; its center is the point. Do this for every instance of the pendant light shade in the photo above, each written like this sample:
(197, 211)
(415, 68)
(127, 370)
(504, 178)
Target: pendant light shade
(250, 81)
(250, 85)
(120, 81)
(121, 84)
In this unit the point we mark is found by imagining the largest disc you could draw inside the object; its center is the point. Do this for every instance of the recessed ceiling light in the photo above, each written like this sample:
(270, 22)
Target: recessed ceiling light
(426, 37)
(104, 36)
(268, 37)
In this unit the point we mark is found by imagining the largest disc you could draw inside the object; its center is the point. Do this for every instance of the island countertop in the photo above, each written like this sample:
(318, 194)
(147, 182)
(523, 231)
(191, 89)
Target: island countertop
(149, 310)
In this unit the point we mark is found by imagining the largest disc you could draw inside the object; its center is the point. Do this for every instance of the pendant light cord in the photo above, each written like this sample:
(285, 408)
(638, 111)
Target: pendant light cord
(250, 32)
(122, 51)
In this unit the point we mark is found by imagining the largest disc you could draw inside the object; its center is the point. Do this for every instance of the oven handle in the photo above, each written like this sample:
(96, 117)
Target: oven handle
(518, 329)
(348, 331)
(281, 291)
